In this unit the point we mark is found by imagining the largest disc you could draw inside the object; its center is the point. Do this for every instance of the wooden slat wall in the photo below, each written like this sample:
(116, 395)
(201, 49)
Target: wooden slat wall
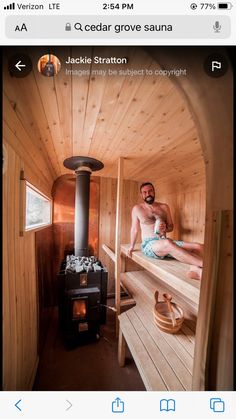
(188, 211)
(221, 375)
(27, 153)
(46, 293)
(20, 317)
(108, 188)
(107, 224)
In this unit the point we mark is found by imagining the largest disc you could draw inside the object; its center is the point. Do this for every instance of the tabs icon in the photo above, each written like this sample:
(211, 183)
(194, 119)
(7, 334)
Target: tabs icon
(217, 405)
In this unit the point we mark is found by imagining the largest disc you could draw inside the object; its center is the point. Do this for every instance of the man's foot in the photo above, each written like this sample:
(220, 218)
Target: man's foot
(195, 272)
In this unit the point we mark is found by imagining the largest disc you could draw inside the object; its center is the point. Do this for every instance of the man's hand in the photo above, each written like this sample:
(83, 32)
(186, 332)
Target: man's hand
(129, 252)
(162, 227)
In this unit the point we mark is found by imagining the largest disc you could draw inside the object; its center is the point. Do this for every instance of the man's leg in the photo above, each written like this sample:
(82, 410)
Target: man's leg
(194, 248)
(164, 247)
(195, 272)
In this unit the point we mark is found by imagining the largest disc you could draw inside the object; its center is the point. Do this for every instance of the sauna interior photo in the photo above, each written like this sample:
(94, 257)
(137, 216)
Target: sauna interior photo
(78, 313)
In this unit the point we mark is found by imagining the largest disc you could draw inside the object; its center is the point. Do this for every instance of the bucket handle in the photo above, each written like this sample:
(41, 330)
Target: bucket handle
(156, 296)
(168, 298)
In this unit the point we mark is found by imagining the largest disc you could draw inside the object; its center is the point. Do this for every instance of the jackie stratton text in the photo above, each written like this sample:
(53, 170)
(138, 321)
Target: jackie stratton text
(97, 60)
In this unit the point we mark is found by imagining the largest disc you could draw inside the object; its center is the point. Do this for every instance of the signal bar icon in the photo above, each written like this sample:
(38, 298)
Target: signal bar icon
(10, 6)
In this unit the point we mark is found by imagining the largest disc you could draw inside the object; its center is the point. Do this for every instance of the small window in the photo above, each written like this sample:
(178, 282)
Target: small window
(38, 208)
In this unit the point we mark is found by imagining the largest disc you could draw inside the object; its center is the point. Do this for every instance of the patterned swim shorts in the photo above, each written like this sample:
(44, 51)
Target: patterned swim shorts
(146, 247)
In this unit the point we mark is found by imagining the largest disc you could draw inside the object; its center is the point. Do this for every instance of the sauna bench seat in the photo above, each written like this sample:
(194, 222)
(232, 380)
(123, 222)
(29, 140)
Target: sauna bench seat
(164, 361)
(171, 272)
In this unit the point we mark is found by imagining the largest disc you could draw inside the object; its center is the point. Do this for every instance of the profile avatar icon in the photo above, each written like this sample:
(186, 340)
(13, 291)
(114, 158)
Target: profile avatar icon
(49, 65)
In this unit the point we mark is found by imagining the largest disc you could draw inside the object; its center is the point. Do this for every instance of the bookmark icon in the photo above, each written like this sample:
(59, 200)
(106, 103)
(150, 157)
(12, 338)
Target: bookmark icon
(167, 405)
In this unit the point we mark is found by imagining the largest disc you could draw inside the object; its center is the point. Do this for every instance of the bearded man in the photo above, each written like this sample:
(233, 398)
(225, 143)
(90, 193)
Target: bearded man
(154, 219)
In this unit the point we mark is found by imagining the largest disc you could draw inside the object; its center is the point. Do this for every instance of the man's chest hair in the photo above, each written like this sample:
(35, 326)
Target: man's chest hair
(151, 213)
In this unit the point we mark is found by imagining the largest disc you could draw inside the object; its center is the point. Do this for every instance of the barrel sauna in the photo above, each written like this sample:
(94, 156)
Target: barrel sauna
(175, 132)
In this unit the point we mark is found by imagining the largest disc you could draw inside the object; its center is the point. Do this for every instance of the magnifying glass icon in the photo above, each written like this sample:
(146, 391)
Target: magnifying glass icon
(78, 27)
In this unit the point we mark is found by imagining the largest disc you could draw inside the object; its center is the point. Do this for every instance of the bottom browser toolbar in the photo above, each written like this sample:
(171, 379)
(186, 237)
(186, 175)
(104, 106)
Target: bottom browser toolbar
(118, 404)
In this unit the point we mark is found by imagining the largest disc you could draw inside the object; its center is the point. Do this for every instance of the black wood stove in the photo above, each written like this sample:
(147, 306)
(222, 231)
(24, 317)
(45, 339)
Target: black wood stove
(82, 280)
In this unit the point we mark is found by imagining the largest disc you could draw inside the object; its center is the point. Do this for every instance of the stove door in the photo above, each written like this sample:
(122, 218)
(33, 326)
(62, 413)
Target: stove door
(79, 308)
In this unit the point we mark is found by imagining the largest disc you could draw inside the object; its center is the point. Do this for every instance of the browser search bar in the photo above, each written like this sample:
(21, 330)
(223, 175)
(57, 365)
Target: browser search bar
(118, 27)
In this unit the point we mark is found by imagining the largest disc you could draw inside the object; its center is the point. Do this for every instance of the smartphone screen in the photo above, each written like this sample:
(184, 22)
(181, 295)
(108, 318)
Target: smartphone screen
(117, 208)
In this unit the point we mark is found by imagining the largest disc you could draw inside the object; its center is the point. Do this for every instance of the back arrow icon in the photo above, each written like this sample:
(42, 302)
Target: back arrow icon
(19, 65)
(17, 405)
(70, 405)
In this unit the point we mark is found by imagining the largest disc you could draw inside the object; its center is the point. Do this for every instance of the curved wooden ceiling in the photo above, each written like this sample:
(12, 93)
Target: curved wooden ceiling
(142, 118)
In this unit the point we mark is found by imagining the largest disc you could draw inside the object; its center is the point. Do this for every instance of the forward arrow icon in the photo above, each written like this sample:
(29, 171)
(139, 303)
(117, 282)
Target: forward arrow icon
(70, 405)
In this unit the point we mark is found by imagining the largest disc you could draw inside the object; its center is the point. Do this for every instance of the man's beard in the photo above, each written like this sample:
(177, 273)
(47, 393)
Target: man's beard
(149, 199)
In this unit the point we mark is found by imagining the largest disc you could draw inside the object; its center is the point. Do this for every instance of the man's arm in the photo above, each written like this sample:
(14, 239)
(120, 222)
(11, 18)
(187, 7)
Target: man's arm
(134, 231)
(169, 222)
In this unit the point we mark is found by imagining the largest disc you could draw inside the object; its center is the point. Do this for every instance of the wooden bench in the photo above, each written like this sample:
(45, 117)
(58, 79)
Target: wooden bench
(171, 273)
(165, 361)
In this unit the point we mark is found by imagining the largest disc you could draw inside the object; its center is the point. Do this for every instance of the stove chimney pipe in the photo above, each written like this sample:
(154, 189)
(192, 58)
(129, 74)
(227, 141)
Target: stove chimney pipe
(83, 167)
(82, 188)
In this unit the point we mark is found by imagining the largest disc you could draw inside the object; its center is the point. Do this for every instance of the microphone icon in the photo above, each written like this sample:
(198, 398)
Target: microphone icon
(217, 27)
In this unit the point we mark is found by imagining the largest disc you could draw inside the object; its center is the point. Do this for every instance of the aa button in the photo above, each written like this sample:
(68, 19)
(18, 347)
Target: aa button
(21, 28)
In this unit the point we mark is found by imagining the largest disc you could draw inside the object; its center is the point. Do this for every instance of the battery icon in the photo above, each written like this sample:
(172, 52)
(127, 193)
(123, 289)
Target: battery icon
(226, 6)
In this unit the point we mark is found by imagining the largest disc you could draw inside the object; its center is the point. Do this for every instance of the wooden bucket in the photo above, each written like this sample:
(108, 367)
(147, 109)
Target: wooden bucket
(167, 315)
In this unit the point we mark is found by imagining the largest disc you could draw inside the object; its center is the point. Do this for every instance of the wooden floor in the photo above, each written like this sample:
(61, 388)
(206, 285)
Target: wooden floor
(165, 361)
(89, 367)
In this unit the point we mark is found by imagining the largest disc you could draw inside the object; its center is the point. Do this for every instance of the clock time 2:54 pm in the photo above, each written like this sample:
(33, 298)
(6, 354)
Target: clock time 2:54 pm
(118, 6)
